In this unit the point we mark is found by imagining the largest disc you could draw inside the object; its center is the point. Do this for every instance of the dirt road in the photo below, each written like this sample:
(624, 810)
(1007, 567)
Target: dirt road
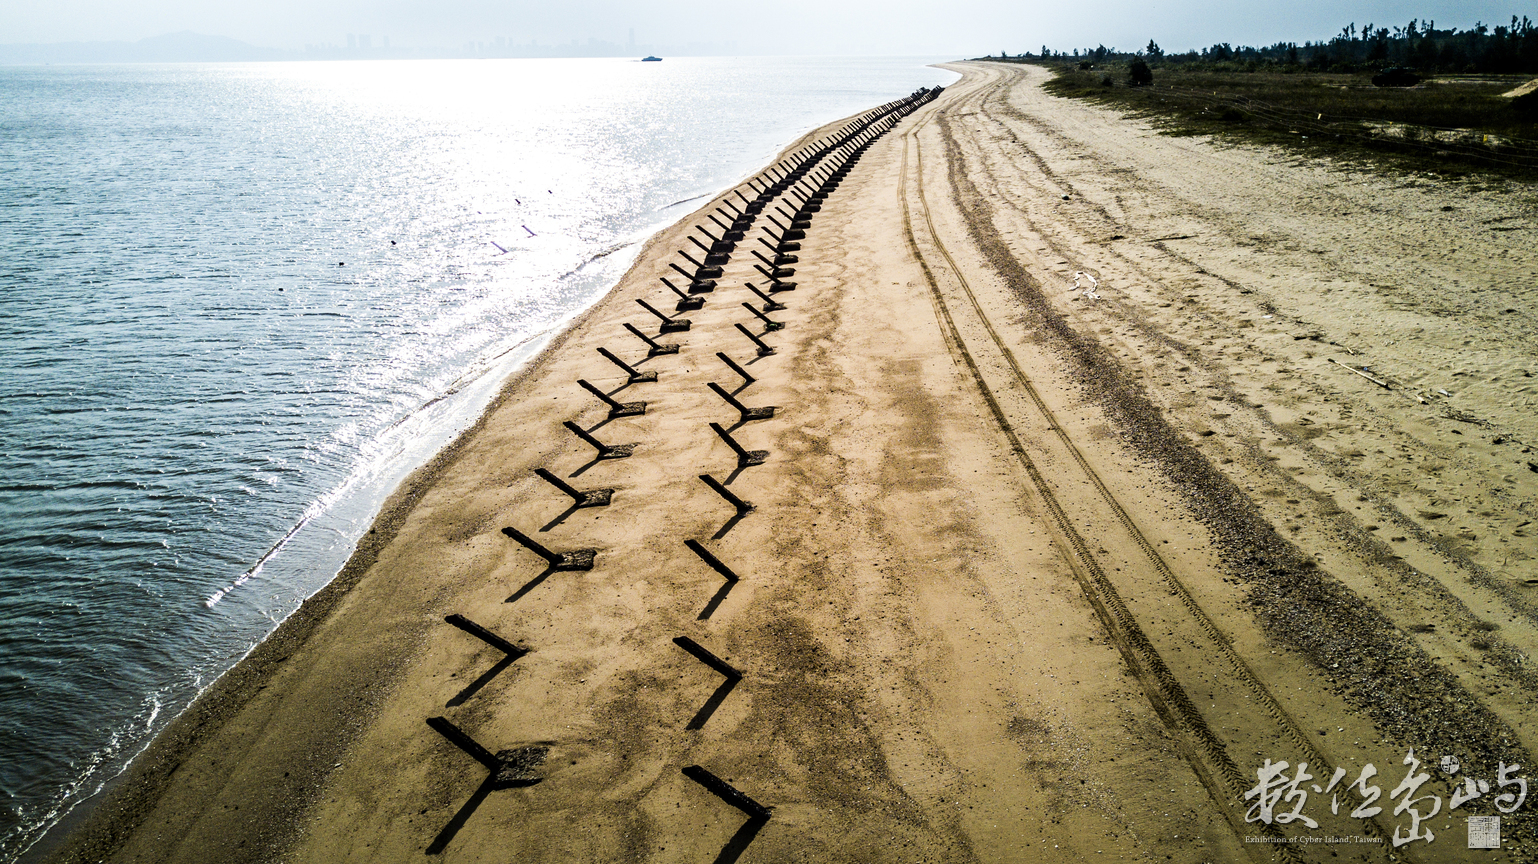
(1031, 573)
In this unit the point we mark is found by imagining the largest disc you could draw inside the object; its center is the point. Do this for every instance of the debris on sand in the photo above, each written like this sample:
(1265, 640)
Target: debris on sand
(1090, 293)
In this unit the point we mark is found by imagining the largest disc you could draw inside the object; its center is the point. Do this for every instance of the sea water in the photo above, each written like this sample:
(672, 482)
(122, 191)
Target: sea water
(238, 302)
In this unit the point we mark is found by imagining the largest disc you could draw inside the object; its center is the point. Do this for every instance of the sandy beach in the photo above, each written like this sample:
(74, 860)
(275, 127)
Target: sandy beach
(1104, 467)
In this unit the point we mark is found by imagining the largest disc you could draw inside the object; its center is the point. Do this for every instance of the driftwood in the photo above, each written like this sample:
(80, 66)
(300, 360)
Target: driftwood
(1383, 384)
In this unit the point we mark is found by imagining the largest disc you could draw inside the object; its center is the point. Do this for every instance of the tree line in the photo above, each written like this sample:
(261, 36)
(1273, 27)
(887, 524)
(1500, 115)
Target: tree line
(1503, 49)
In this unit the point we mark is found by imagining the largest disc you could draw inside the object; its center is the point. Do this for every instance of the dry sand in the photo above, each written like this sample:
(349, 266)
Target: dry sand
(1032, 576)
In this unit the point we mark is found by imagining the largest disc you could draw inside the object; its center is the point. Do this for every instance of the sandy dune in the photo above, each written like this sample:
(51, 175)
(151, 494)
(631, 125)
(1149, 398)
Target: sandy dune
(1032, 574)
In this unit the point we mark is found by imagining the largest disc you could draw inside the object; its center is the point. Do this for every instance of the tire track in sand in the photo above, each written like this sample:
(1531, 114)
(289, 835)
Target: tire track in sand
(1205, 749)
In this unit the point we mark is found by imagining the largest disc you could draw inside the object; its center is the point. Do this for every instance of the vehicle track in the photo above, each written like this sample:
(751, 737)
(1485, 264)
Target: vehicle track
(1389, 674)
(1392, 682)
(1438, 609)
(1001, 112)
(1207, 751)
(1395, 581)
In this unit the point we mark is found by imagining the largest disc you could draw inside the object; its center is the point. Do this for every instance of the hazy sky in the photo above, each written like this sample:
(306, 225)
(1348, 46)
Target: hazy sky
(956, 27)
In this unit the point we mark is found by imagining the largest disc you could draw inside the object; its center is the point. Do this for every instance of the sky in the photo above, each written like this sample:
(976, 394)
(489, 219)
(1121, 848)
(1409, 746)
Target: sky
(953, 28)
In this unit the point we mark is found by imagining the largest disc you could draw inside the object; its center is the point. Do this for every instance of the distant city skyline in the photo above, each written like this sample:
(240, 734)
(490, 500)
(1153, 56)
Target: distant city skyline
(965, 28)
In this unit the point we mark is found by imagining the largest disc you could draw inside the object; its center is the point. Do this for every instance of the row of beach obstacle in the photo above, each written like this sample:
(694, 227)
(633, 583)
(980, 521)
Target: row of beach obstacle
(803, 181)
(771, 183)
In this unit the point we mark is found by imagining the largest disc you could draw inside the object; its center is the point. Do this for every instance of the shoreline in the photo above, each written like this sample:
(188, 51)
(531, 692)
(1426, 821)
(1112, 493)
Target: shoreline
(150, 770)
(100, 749)
(73, 819)
(1014, 569)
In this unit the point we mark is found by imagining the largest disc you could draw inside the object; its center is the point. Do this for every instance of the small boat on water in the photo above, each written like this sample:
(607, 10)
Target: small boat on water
(651, 59)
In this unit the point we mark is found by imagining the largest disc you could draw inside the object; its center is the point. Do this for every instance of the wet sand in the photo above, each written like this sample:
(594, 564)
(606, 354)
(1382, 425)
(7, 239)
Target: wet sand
(1030, 574)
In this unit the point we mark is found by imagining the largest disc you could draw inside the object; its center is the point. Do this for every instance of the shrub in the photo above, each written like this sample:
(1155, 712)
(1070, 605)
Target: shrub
(1138, 73)
(1396, 77)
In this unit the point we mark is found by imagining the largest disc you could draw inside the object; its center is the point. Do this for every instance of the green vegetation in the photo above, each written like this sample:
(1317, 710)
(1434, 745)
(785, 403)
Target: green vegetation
(1449, 124)
(1138, 73)
(1320, 97)
(1503, 50)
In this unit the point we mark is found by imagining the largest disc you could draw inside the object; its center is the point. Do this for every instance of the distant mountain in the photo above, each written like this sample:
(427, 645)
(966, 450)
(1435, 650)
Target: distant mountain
(188, 46)
(184, 47)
